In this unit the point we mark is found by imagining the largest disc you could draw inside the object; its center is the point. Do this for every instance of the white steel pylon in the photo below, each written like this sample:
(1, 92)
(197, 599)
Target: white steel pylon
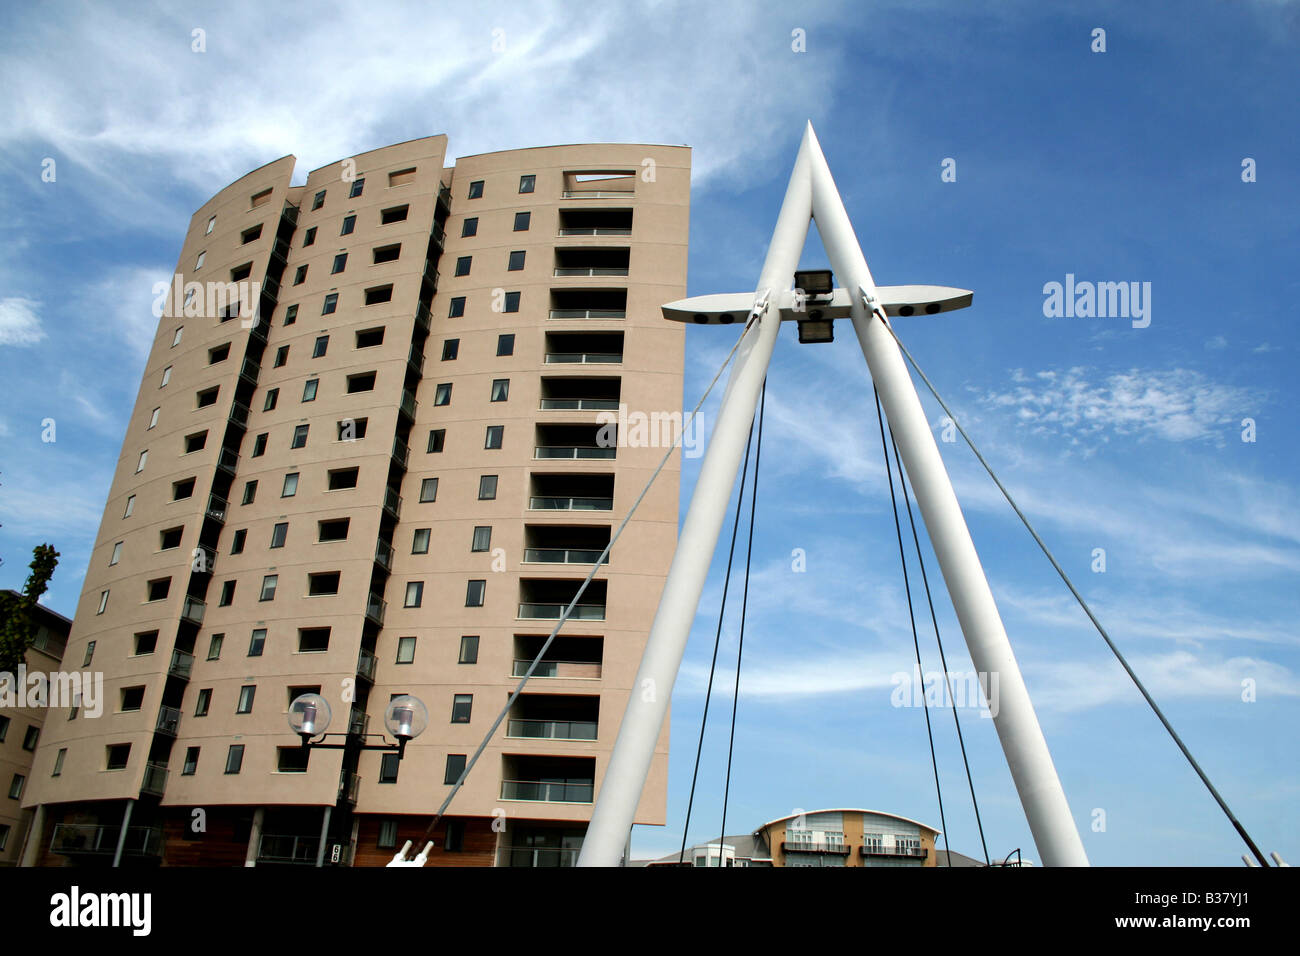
(811, 195)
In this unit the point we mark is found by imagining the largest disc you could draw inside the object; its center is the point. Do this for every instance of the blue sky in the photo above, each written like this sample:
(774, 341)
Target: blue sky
(1123, 165)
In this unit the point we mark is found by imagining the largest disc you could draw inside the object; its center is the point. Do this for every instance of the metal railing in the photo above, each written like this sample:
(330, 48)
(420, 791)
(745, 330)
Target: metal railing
(192, 610)
(384, 555)
(537, 856)
(228, 460)
(439, 236)
(238, 413)
(550, 612)
(564, 555)
(574, 451)
(358, 721)
(208, 563)
(878, 849)
(285, 848)
(169, 720)
(430, 274)
(280, 249)
(583, 358)
(574, 670)
(597, 231)
(217, 508)
(598, 193)
(808, 846)
(552, 729)
(579, 404)
(401, 452)
(561, 792)
(155, 779)
(250, 371)
(181, 665)
(366, 661)
(70, 838)
(589, 313)
(444, 195)
(573, 503)
(422, 318)
(349, 786)
(375, 608)
(415, 359)
(408, 405)
(393, 502)
(563, 271)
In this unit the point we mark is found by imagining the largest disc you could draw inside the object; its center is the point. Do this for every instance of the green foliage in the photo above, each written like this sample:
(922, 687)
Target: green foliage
(17, 624)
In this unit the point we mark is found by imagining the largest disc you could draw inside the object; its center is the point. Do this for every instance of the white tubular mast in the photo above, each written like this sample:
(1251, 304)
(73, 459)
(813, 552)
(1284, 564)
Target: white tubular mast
(812, 195)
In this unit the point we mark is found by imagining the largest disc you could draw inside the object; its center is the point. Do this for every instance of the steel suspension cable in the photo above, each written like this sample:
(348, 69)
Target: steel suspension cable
(1084, 604)
(744, 604)
(916, 643)
(717, 639)
(943, 660)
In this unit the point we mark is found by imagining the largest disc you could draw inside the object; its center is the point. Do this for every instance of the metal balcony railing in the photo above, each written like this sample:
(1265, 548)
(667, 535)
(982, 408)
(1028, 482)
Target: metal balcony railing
(579, 404)
(551, 612)
(285, 848)
(238, 414)
(573, 670)
(205, 562)
(808, 846)
(409, 405)
(217, 508)
(155, 779)
(384, 555)
(393, 502)
(596, 231)
(270, 288)
(877, 849)
(444, 196)
(574, 451)
(182, 664)
(566, 271)
(552, 729)
(169, 721)
(536, 856)
(192, 610)
(580, 791)
(598, 194)
(573, 503)
(430, 275)
(564, 555)
(415, 360)
(375, 608)
(73, 838)
(228, 461)
(589, 313)
(366, 661)
(401, 453)
(250, 371)
(280, 250)
(358, 720)
(439, 236)
(349, 785)
(583, 358)
(422, 318)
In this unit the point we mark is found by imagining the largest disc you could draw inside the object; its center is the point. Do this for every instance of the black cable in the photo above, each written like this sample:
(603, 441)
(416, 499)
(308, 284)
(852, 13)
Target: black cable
(916, 643)
(726, 582)
(744, 603)
(943, 660)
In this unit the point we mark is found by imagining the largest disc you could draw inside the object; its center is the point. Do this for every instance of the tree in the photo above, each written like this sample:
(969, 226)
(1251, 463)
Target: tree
(17, 625)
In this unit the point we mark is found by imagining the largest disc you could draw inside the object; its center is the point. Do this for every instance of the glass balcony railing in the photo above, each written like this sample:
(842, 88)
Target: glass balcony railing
(366, 661)
(408, 405)
(580, 404)
(564, 271)
(155, 779)
(359, 720)
(598, 194)
(575, 791)
(575, 452)
(552, 729)
(192, 610)
(551, 612)
(393, 503)
(284, 848)
(74, 838)
(384, 555)
(422, 318)
(238, 414)
(596, 231)
(564, 555)
(375, 608)
(573, 670)
(169, 721)
(583, 358)
(401, 453)
(250, 371)
(182, 664)
(439, 236)
(570, 503)
(349, 785)
(415, 360)
(588, 313)
(217, 507)
(535, 857)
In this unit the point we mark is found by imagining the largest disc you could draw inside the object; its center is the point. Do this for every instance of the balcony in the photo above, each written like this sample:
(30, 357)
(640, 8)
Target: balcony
(560, 544)
(217, 507)
(249, 371)
(205, 561)
(805, 846)
(564, 556)
(444, 198)
(588, 261)
(349, 785)
(572, 493)
(415, 361)
(571, 658)
(584, 348)
(595, 222)
(408, 405)
(546, 600)
(155, 779)
(375, 609)
(280, 251)
(72, 839)
(575, 443)
(228, 461)
(580, 394)
(588, 303)
(392, 503)
(574, 452)
(537, 856)
(384, 555)
(238, 414)
(366, 661)
(878, 849)
(270, 291)
(182, 664)
(548, 779)
(169, 721)
(554, 717)
(422, 319)
(438, 235)
(192, 610)
(430, 275)
(401, 453)
(286, 848)
(289, 214)
(566, 670)
(359, 720)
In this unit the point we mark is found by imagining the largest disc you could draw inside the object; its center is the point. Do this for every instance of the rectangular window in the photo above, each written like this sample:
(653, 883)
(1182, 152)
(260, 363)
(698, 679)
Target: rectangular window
(219, 354)
(420, 541)
(58, 761)
(442, 394)
(400, 177)
(482, 538)
(511, 302)
(300, 276)
(299, 436)
(318, 200)
(454, 841)
(327, 308)
(227, 593)
(357, 186)
(506, 344)
(455, 767)
(207, 396)
(527, 182)
(309, 389)
(457, 309)
(522, 221)
(468, 649)
(469, 227)
(388, 767)
(476, 189)
(335, 529)
(313, 640)
(182, 489)
(495, 436)
(429, 489)
(191, 763)
(203, 702)
(340, 263)
(214, 646)
(246, 695)
(379, 295)
(309, 237)
(176, 339)
(321, 345)
(251, 234)
(342, 478)
(414, 593)
(272, 397)
(281, 356)
(291, 314)
(405, 650)
(500, 389)
(279, 534)
(269, 583)
(146, 642)
(487, 487)
(130, 506)
(290, 486)
(474, 593)
(103, 602)
(352, 429)
(117, 553)
(259, 444)
(323, 583)
(393, 214)
(462, 705)
(132, 699)
(170, 538)
(437, 440)
(257, 642)
(250, 491)
(364, 382)
(166, 376)
(516, 261)
(291, 759)
(30, 738)
(369, 338)
(159, 589)
(195, 442)
(90, 654)
(463, 264)
(237, 545)
(144, 457)
(235, 755)
(117, 756)
(349, 223)
(212, 221)
(450, 349)
(387, 835)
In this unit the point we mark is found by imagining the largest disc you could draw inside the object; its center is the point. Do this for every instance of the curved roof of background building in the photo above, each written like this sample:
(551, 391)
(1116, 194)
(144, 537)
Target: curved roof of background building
(879, 813)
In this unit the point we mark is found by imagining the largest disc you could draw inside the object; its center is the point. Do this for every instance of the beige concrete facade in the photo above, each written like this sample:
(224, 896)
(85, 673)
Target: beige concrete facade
(416, 389)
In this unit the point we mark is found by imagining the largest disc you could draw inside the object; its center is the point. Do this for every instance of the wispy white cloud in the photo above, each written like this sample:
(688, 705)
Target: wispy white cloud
(19, 323)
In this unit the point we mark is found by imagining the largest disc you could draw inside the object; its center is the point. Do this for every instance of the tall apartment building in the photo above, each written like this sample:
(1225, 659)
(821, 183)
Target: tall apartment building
(391, 483)
(21, 720)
